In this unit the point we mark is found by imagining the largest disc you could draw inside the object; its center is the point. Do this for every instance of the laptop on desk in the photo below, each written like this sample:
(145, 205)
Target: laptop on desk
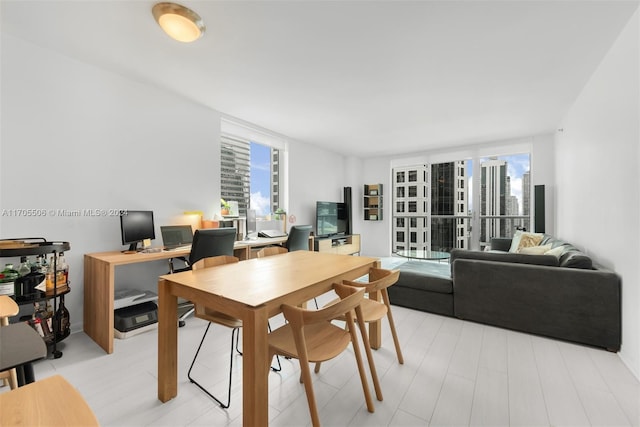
(270, 234)
(176, 237)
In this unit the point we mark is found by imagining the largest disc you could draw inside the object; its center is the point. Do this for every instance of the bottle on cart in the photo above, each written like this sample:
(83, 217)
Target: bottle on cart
(24, 268)
(8, 280)
(62, 270)
(50, 275)
(63, 324)
(44, 267)
(42, 322)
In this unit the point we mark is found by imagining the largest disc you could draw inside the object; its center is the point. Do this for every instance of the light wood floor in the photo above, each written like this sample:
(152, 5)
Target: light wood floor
(455, 373)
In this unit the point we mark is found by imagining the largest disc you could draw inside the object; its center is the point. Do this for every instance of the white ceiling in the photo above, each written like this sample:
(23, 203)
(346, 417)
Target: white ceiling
(357, 77)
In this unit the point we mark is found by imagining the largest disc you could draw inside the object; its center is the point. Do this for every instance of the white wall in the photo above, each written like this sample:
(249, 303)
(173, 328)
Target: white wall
(314, 174)
(74, 136)
(598, 182)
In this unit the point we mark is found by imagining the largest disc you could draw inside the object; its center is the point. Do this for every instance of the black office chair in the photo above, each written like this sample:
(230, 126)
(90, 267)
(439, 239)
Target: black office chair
(298, 238)
(206, 243)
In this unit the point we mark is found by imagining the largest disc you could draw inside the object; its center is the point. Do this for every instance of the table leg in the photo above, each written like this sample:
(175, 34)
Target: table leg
(255, 369)
(167, 342)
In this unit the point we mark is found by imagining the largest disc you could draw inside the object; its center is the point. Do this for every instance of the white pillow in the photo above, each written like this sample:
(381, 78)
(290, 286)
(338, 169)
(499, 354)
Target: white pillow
(555, 251)
(515, 242)
(535, 250)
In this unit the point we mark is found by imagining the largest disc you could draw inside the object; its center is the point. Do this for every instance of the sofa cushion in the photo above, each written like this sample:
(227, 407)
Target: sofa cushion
(570, 256)
(426, 276)
(548, 260)
(575, 259)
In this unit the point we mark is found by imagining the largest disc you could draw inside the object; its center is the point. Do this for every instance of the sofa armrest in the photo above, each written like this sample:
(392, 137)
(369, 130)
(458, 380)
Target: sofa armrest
(567, 303)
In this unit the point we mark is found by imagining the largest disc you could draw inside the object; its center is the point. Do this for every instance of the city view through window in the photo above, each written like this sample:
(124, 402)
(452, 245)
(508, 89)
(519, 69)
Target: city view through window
(250, 175)
(435, 206)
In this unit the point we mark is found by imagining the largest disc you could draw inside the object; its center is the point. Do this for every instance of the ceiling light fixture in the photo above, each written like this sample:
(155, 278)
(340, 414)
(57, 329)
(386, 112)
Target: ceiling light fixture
(179, 22)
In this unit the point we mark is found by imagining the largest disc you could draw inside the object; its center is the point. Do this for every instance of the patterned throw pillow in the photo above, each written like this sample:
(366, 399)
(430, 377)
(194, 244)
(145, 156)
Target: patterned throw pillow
(535, 250)
(522, 239)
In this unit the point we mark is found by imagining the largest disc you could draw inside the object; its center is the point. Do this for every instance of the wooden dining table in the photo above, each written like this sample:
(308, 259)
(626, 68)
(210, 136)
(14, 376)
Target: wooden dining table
(252, 290)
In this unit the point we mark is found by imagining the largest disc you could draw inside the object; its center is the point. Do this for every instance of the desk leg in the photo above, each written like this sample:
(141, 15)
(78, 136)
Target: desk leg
(167, 342)
(98, 302)
(255, 369)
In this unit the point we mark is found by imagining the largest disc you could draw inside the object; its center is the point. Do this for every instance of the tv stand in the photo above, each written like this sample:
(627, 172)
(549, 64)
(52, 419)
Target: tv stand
(338, 244)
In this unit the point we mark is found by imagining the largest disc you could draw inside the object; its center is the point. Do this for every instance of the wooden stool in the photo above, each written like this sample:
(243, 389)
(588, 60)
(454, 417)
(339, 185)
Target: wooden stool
(8, 308)
(48, 402)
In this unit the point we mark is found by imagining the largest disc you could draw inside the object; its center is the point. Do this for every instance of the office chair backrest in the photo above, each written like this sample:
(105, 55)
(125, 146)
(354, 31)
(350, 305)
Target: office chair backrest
(299, 238)
(212, 242)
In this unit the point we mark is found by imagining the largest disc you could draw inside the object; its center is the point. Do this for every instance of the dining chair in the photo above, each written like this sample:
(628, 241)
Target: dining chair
(206, 243)
(46, 402)
(309, 336)
(379, 280)
(212, 316)
(271, 250)
(8, 308)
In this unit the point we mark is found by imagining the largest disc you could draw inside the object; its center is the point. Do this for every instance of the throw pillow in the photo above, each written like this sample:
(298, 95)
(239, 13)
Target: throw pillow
(515, 241)
(530, 239)
(557, 251)
(523, 239)
(535, 250)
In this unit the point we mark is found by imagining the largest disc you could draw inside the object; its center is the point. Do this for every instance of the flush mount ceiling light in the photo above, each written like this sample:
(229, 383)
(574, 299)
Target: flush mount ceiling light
(179, 22)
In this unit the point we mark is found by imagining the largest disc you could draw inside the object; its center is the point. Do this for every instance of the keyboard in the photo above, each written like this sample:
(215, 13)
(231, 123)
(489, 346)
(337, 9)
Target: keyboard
(271, 233)
(179, 248)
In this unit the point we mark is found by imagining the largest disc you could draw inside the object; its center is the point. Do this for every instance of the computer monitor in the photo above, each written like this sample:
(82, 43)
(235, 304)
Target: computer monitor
(251, 222)
(136, 226)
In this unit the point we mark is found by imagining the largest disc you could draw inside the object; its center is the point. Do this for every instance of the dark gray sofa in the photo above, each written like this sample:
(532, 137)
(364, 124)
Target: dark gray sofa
(566, 297)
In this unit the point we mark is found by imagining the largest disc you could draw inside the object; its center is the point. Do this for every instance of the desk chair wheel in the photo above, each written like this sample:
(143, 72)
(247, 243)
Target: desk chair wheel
(181, 323)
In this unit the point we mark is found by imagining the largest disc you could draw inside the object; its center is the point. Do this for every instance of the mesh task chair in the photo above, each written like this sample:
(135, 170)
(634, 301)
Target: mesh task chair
(206, 243)
(298, 239)
(311, 337)
(212, 316)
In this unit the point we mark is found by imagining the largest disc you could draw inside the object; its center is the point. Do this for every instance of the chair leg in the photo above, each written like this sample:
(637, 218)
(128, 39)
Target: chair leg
(234, 335)
(363, 375)
(392, 325)
(305, 377)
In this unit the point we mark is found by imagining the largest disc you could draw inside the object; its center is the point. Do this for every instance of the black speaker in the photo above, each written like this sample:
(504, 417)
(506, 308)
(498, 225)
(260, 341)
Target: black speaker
(347, 203)
(538, 215)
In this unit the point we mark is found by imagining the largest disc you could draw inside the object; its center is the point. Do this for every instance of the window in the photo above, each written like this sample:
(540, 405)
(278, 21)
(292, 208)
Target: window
(456, 205)
(250, 175)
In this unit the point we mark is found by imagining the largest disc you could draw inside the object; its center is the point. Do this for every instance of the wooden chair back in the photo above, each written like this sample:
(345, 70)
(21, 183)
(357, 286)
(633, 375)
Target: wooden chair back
(379, 279)
(8, 308)
(271, 250)
(214, 261)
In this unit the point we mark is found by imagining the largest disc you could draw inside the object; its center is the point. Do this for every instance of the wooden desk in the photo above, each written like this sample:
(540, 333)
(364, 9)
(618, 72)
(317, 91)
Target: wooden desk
(253, 291)
(99, 283)
(48, 402)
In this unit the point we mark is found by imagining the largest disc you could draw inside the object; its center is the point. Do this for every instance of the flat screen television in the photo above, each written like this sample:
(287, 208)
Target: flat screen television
(136, 226)
(331, 219)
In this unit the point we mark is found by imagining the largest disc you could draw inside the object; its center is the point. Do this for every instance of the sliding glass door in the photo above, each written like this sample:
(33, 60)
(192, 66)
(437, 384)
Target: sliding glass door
(441, 206)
